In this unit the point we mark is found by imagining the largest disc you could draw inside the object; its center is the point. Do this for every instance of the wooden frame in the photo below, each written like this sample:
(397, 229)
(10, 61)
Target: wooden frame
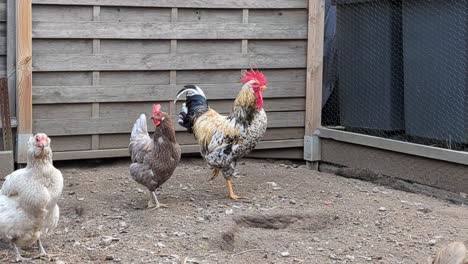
(23, 76)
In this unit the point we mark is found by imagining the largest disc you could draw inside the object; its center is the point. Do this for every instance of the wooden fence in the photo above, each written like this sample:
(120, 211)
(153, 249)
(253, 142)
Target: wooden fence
(98, 64)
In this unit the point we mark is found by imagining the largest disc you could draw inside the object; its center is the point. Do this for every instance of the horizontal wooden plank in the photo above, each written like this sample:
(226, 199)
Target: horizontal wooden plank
(282, 153)
(123, 152)
(293, 17)
(139, 93)
(62, 111)
(58, 14)
(114, 62)
(62, 78)
(61, 127)
(113, 141)
(63, 46)
(112, 30)
(70, 143)
(209, 15)
(183, 3)
(134, 14)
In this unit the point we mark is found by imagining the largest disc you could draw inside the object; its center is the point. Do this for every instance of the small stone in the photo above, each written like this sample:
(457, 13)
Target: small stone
(382, 209)
(229, 212)
(160, 245)
(375, 190)
(109, 257)
(295, 166)
(272, 184)
(76, 244)
(349, 257)
(139, 190)
(276, 188)
(432, 242)
(292, 201)
(285, 254)
(320, 249)
(123, 224)
(80, 199)
(71, 192)
(424, 210)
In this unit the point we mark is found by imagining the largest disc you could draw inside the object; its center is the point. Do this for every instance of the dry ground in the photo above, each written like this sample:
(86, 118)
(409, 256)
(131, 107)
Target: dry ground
(292, 215)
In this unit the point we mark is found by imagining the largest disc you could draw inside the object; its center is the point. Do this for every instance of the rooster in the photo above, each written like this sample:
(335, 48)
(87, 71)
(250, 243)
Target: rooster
(153, 159)
(226, 139)
(29, 196)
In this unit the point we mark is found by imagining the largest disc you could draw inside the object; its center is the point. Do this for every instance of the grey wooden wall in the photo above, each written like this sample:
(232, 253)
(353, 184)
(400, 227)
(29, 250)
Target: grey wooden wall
(98, 64)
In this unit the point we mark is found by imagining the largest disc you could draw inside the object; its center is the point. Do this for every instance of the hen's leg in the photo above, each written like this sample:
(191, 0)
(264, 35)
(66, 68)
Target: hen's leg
(18, 257)
(215, 174)
(42, 252)
(231, 191)
(153, 202)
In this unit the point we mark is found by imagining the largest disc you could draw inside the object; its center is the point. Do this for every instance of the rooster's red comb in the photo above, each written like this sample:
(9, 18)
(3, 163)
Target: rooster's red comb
(156, 108)
(252, 74)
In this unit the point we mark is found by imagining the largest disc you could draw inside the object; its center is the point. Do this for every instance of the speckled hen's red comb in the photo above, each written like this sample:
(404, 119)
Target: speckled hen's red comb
(252, 74)
(156, 108)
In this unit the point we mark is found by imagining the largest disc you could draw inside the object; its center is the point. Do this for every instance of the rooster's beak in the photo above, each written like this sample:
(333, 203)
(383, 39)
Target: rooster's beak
(152, 118)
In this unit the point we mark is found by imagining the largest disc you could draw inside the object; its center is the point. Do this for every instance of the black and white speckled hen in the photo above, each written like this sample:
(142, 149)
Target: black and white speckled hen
(153, 159)
(226, 139)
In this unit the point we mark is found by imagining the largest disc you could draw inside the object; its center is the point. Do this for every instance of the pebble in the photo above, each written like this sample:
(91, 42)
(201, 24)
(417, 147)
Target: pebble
(285, 254)
(432, 242)
(71, 192)
(382, 209)
(424, 210)
(139, 190)
(320, 249)
(229, 212)
(375, 190)
(292, 201)
(160, 245)
(272, 184)
(123, 224)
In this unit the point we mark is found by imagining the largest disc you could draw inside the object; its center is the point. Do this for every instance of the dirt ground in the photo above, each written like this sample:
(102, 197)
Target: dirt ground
(290, 215)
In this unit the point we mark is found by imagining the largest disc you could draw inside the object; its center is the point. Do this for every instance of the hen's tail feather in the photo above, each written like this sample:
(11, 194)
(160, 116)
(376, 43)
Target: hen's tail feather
(195, 105)
(454, 253)
(139, 127)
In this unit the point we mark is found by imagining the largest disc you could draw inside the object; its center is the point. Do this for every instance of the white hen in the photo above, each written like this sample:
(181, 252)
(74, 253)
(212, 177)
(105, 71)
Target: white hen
(29, 196)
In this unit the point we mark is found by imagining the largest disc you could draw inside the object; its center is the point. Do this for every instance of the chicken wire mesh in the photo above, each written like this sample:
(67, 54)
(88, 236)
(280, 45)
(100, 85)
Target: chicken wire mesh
(398, 69)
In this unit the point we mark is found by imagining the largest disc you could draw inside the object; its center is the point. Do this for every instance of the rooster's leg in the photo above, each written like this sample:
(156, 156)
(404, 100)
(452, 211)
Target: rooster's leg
(154, 203)
(215, 174)
(18, 257)
(231, 191)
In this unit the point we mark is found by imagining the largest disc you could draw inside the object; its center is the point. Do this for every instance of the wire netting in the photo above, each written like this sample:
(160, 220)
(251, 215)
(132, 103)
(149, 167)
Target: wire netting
(398, 69)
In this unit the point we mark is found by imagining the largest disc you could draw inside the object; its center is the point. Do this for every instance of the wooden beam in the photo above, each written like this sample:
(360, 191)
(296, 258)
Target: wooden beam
(140, 30)
(103, 125)
(140, 93)
(314, 73)
(237, 4)
(449, 155)
(143, 62)
(123, 152)
(24, 75)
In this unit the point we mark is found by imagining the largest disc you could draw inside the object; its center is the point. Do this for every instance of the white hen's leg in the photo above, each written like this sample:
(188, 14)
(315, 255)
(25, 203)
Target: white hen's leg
(18, 257)
(42, 251)
(154, 203)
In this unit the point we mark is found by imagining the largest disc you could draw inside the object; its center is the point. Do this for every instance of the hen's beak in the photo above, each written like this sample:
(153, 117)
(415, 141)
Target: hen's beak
(152, 118)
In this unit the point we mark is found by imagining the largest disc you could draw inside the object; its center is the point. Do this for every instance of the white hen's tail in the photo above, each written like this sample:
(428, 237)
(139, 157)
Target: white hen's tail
(454, 253)
(139, 127)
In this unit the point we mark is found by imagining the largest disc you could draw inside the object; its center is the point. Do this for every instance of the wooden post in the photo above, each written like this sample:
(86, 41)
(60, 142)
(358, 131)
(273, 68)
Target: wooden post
(315, 38)
(23, 76)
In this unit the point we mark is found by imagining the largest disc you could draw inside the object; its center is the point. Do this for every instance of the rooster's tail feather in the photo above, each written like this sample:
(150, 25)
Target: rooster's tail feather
(139, 127)
(194, 106)
(453, 253)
